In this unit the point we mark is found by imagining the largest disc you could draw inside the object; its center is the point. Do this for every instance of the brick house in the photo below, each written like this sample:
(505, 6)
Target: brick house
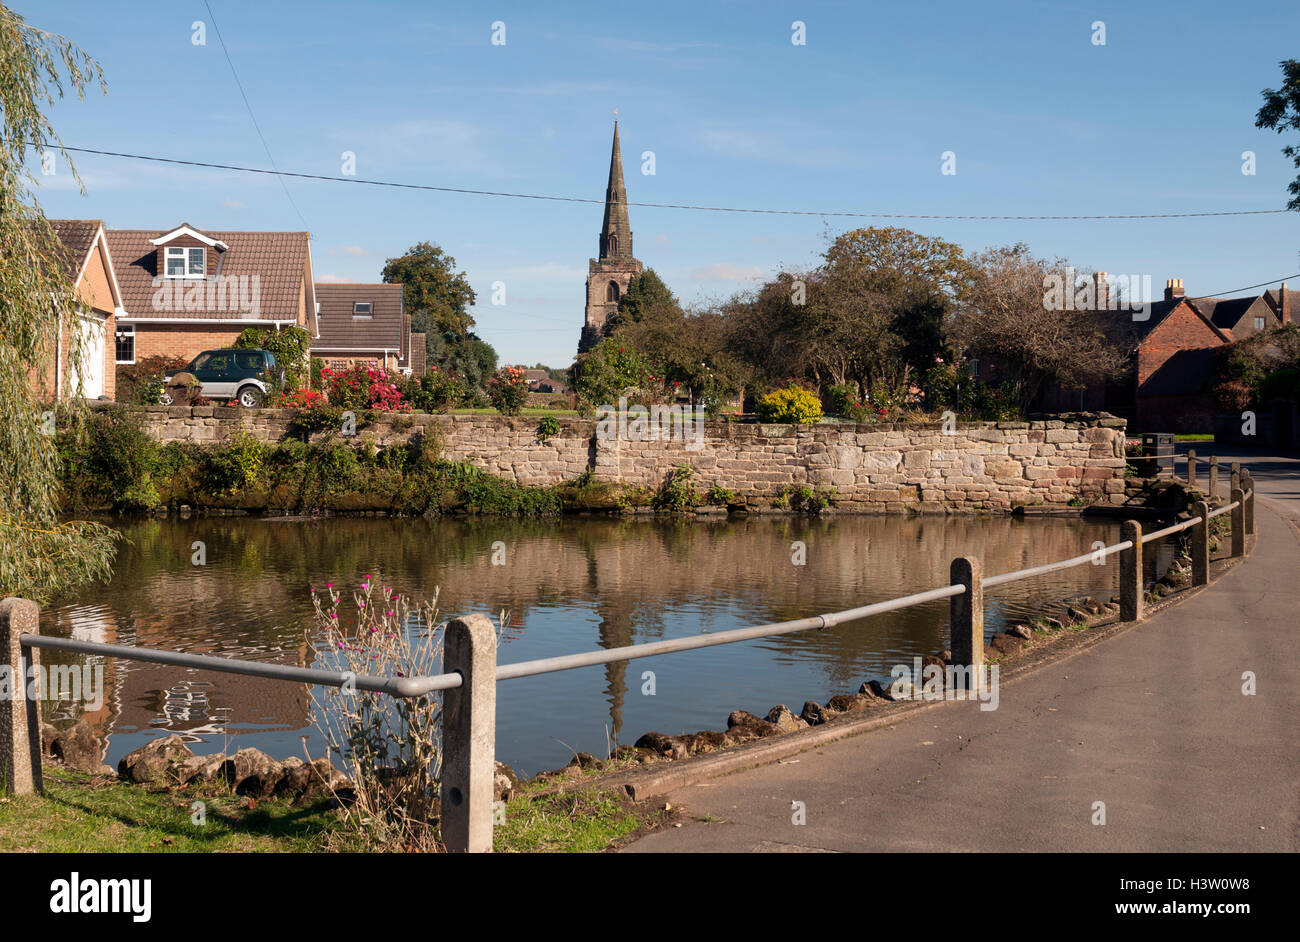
(186, 290)
(1168, 387)
(88, 263)
(365, 323)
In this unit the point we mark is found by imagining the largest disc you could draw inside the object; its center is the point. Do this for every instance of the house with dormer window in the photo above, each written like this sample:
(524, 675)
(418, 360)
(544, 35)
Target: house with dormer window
(186, 290)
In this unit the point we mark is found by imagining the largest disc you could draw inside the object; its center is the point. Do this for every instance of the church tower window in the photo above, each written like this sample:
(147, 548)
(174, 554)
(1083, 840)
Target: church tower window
(611, 291)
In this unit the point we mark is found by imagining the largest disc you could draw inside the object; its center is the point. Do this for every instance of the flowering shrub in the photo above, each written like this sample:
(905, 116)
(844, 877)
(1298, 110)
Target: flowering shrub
(438, 391)
(508, 390)
(793, 404)
(389, 747)
(298, 399)
(362, 386)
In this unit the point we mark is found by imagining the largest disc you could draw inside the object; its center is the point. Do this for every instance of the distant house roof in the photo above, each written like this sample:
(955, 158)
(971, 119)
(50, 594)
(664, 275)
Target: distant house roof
(281, 261)
(342, 330)
(1185, 373)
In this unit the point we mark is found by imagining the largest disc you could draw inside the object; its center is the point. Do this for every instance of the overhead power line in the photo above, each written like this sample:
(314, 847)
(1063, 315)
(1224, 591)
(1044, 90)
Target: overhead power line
(579, 199)
(257, 127)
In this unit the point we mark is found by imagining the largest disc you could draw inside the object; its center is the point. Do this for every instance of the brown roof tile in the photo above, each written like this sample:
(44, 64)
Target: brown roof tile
(77, 235)
(340, 331)
(278, 259)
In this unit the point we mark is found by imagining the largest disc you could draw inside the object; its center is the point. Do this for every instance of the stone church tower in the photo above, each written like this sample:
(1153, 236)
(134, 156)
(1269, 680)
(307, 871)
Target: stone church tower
(609, 275)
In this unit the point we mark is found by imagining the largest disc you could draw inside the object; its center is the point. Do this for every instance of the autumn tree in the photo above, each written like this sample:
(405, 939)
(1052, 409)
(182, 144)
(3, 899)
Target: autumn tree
(1015, 309)
(39, 554)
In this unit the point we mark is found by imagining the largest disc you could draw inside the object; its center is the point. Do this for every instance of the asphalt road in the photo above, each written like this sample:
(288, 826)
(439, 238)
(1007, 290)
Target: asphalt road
(1153, 724)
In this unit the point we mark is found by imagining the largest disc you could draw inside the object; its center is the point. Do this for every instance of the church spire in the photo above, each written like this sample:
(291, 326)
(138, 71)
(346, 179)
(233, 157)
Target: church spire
(616, 234)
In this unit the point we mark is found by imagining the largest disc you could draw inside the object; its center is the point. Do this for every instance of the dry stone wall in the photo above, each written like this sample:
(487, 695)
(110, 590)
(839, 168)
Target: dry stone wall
(978, 466)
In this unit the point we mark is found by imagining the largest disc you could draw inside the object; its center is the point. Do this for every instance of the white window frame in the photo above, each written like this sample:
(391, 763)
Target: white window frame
(1259, 323)
(183, 252)
(370, 309)
(124, 329)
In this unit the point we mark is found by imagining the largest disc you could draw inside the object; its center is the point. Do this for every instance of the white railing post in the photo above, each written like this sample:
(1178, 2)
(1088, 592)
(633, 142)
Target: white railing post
(20, 714)
(469, 735)
(1130, 572)
(1214, 476)
(1191, 468)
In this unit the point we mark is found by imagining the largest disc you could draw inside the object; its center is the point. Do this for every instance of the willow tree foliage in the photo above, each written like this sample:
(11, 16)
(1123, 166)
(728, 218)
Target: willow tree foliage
(39, 554)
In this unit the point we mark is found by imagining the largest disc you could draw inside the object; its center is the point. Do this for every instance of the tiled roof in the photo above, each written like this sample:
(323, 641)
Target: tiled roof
(77, 235)
(340, 331)
(1185, 373)
(278, 259)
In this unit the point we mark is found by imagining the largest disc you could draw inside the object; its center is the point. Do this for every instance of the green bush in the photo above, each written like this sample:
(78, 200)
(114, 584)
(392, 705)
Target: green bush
(549, 427)
(508, 390)
(437, 391)
(109, 462)
(678, 490)
(290, 346)
(793, 405)
(612, 368)
(236, 464)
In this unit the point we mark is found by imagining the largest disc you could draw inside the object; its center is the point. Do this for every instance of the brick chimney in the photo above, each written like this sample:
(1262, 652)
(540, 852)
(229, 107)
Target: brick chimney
(1173, 288)
(1102, 290)
(1284, 313)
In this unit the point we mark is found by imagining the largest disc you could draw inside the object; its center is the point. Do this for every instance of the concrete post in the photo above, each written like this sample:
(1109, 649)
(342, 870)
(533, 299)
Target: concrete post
(1191, 468)
(966, 617)
(1238, 523)
(469, 735)
(20, 715)
(1236, 474)
(1201, 544)
(1130, 572)
(1214, 476)
(1248, 484)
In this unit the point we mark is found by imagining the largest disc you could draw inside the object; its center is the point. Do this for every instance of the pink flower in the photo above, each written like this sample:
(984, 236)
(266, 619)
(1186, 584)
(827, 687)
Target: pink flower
(389, 613)
(334, 615)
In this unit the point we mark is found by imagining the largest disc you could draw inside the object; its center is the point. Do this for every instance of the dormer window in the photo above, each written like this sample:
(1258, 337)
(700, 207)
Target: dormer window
(186, 262)
(361, 309)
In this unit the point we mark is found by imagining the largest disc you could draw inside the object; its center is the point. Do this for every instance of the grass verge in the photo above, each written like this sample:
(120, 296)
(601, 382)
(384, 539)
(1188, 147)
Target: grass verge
(82, 813)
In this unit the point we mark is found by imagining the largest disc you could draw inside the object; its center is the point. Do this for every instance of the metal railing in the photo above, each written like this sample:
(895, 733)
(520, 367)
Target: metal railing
(472, 673)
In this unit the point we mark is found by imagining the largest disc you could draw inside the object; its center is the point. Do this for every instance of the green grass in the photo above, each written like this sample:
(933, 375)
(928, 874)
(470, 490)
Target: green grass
(581, 820)
(1195, 437)
(91, 814)
(82, 813)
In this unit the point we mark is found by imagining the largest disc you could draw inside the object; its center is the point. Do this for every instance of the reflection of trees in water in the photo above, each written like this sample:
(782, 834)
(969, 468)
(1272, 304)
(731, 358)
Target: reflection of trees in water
(636, 575)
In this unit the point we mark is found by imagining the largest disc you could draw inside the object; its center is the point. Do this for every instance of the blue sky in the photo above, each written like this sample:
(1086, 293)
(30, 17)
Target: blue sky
(1042, 121)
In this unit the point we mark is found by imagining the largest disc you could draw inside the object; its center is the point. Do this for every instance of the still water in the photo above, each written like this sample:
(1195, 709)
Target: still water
(571, 585)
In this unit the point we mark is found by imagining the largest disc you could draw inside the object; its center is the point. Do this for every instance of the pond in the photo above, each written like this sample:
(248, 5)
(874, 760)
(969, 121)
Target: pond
(570, 584)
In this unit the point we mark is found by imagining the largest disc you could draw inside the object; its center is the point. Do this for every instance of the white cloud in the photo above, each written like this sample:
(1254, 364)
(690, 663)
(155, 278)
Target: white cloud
(794, 146)
(332, 279)
(725, 271)
(232, 204)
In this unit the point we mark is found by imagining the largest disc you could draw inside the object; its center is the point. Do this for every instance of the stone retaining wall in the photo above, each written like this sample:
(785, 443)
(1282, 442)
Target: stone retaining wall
(979, 466)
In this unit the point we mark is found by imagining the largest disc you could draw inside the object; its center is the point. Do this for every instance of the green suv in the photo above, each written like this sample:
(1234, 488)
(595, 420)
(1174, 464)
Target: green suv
(242, 375)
